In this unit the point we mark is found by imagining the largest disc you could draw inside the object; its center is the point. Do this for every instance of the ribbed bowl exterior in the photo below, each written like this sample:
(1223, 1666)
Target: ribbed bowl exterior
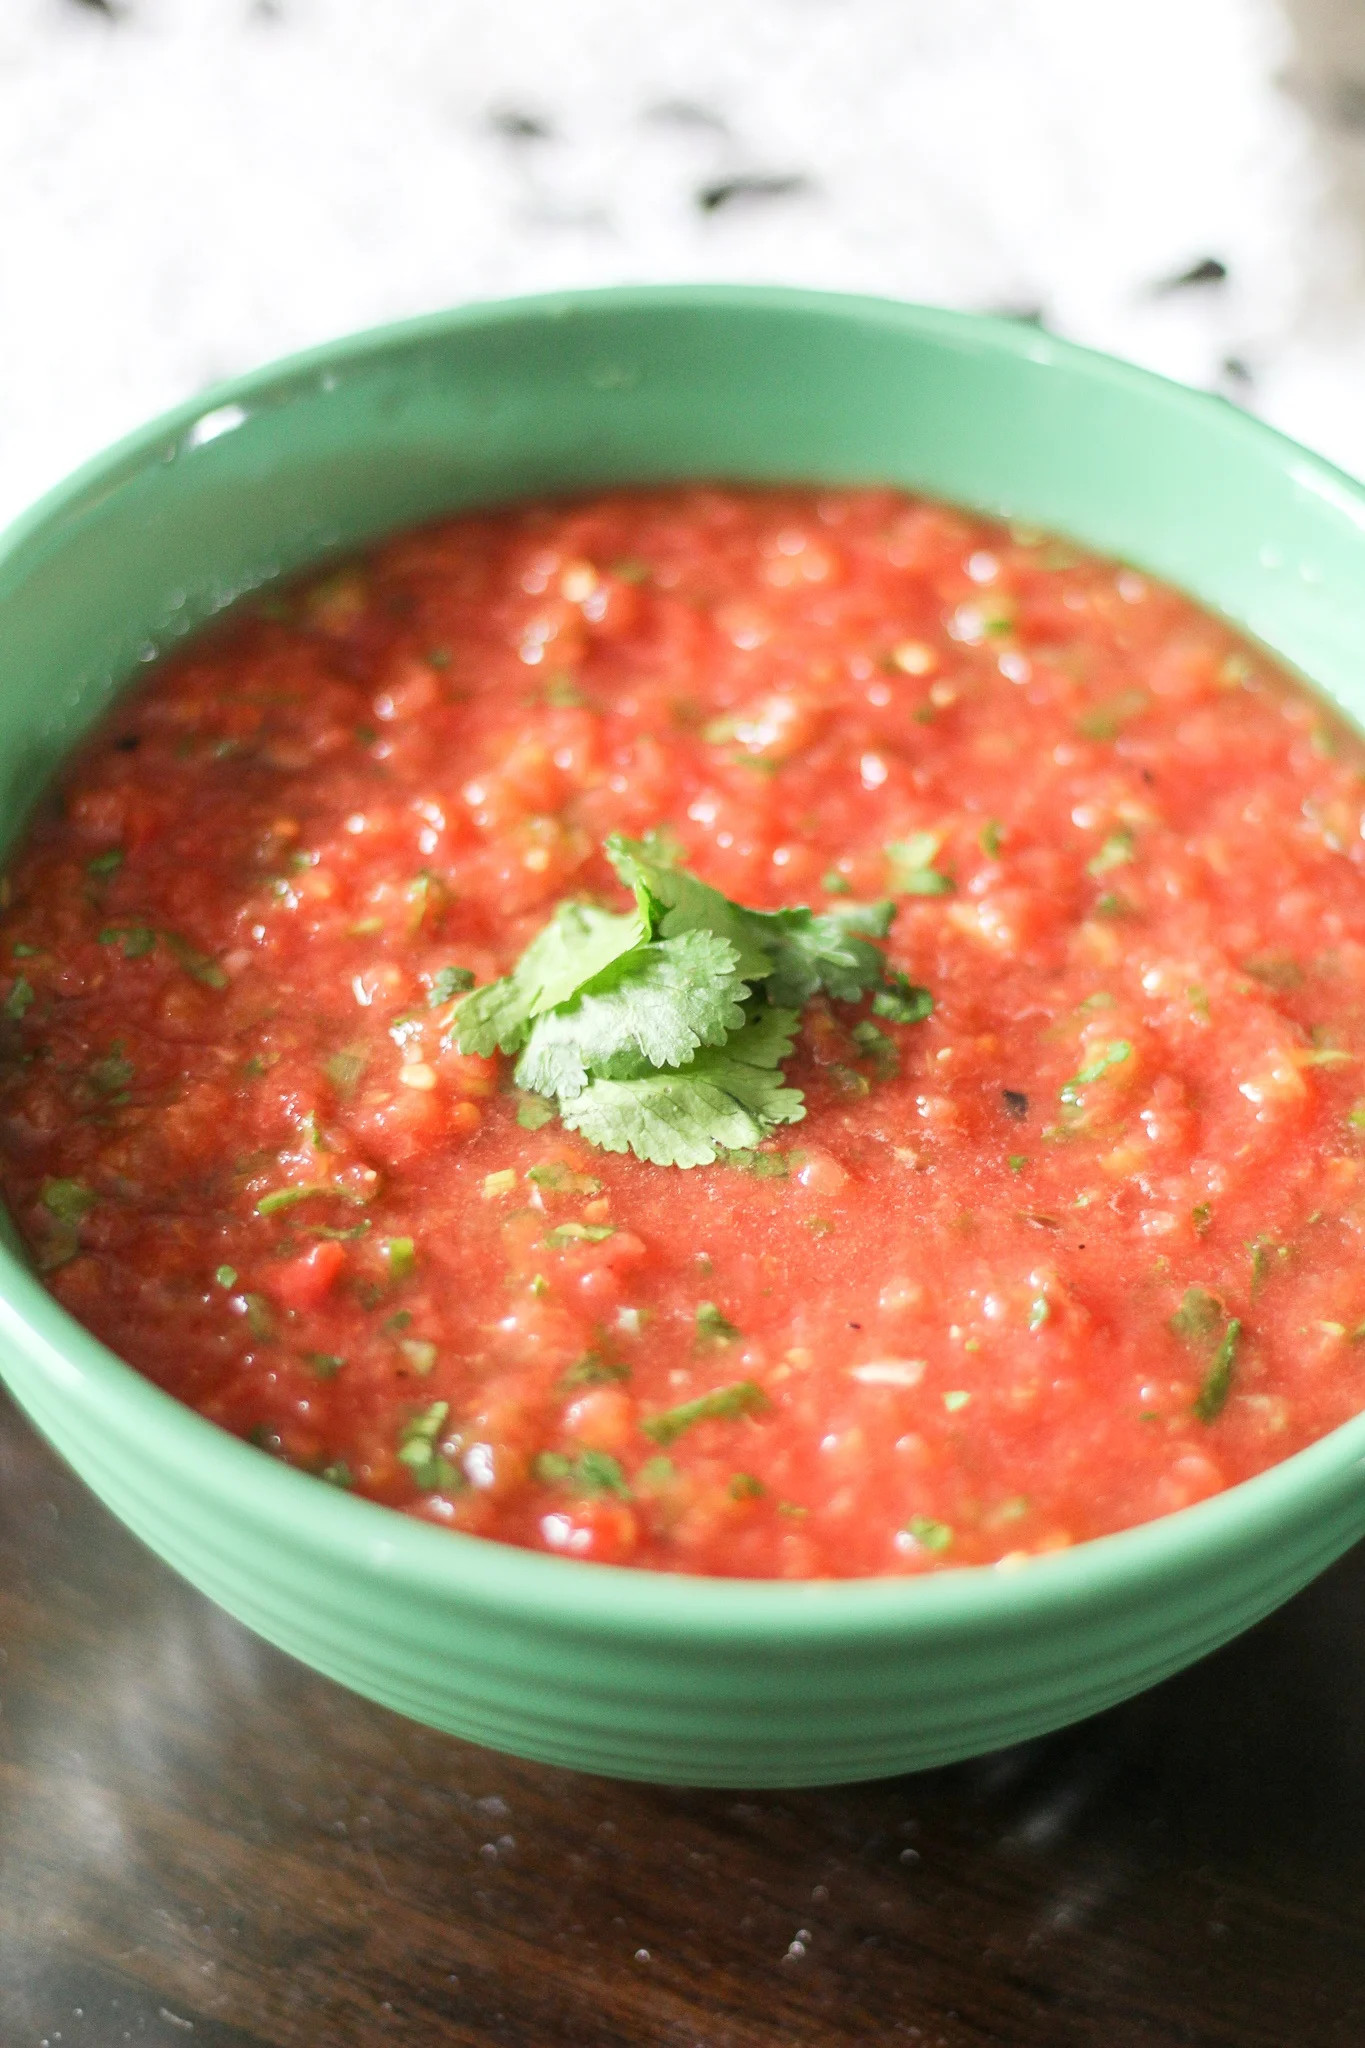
(888, 1686)
(627, 1673)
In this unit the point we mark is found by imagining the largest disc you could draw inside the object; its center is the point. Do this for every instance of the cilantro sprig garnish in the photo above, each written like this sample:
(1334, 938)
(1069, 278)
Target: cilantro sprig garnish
(662, 1030)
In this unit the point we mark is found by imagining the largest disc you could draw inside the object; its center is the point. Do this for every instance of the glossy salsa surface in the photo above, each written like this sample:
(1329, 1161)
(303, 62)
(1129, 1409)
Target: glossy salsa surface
(1077, 1250)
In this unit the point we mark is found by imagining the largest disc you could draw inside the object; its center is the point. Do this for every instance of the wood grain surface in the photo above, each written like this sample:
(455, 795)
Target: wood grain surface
(201, 1842)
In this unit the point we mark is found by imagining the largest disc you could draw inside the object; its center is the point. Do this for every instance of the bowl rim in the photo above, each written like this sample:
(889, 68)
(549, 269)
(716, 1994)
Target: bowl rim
(432, 1562)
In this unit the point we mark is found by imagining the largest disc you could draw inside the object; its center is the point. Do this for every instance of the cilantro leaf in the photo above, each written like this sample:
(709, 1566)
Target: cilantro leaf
(578, 942)
(798, 952)
(658, 1003)
(680, 903)
(827, 949)
(727, 1098)
(663, 1030)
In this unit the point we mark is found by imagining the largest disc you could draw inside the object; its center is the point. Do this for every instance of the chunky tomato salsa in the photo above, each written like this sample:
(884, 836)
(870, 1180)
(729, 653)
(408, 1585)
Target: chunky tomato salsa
(1042, 1220)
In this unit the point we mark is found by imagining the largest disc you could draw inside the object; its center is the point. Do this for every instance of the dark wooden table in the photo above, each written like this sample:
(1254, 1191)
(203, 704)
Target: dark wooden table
(201, 1842)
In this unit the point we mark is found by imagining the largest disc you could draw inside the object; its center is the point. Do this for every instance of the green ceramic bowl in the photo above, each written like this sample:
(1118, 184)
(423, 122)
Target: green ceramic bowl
(632, 1673)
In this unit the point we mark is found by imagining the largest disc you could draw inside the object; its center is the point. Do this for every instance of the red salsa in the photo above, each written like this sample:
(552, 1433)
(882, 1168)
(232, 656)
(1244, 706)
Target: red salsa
(1079, 1248)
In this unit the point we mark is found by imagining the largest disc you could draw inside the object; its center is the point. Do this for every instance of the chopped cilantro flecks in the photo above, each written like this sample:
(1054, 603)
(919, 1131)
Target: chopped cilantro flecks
(928, 1534)
(988, 839)
(762, 1165)
(105, 863)
(345, 1068)
(1264, 1254)
(1105, 721)
(325, 1364)
(590, 1472)
(910, 866)
(136, 940)
(448, 983)
(593, 1370)
(424, 893)
(337, 1474)
(875, 1047)
(336, 1232)
(565, 1234)
(745, 1487)
(67, 1200)
(259, 1319)
(199, 966)
(399, 1255)
(656, 1472)
(1218, 1379)
(113, 1075)
(662, 1030)
(1112, 1054)
(1279, 971)
(725, 1404)
(563, 692)
(19, 1000)
(418, 1449)
(1201, 1216)
(1116, 852)
(1204, 1327)
(712, 1326)
(226, 1276)
(285, 1198)
(901, 1002)
(1199, 1316)
(847, 1079)
(555, 1178)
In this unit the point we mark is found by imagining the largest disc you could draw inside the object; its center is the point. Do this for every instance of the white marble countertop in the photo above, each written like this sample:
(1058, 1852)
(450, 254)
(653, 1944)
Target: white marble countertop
(189, 187)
